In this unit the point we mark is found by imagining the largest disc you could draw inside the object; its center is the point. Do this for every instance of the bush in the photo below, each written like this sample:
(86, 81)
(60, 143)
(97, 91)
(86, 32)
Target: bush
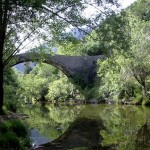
(138, 100)
(25, 142)
(11, 105)
(3, 128)
(18, 128)
(3, 142)
(12, 140)
(13, 135)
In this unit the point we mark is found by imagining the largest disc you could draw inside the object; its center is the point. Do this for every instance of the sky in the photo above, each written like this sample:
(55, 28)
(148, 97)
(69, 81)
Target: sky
(126, 3)
(92, 10)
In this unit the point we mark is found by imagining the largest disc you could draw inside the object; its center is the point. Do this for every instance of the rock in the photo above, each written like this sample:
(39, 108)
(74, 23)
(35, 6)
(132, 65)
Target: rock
(108, 101)
(93, 101)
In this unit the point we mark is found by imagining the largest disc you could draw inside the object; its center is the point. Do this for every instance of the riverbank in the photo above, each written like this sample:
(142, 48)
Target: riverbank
(11, 116)
(13, 132)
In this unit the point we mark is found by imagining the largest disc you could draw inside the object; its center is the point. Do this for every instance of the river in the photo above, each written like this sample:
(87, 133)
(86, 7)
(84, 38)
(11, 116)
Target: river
(93, 126)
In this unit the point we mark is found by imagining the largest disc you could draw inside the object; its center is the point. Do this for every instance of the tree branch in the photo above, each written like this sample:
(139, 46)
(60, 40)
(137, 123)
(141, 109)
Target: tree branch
(67, 21)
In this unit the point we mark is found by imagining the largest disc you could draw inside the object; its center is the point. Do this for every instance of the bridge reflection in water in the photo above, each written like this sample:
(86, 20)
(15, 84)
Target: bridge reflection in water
(95, 126)
(83, 133)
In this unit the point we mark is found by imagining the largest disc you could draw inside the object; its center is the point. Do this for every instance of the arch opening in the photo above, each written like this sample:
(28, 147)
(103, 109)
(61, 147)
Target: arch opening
(45, 82)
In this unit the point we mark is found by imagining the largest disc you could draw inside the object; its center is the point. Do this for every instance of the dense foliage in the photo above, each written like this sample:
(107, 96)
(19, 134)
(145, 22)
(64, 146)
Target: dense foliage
(13, 135)
(45, 83)
(11, 98)
(23, 22)
(123, 77)
(125, 74)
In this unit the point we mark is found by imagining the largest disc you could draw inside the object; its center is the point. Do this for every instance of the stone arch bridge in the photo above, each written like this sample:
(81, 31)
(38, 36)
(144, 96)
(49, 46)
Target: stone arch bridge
(81, 69)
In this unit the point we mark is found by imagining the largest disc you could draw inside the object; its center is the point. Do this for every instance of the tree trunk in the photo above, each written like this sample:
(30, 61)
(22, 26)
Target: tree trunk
(1, 57)
(1, 82)
(1, 71)
(3, 25)
(144, 89)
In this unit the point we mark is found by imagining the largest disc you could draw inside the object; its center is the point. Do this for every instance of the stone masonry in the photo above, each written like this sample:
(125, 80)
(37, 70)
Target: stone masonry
(78, 68)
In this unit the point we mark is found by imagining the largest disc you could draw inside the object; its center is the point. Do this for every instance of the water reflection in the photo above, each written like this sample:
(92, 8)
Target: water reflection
(143, 137)
(123, 123)
(51, 120)
(83, 132)
(94, 126)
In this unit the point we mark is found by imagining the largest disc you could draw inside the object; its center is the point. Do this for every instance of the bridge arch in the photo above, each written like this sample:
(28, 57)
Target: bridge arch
(81, 69)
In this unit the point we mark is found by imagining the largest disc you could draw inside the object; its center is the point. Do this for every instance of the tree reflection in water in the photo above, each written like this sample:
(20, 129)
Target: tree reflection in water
(126, 128)
(143, 137)
(111, 126)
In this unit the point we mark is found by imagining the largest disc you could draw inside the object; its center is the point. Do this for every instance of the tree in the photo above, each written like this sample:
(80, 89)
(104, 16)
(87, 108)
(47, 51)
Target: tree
(23, 21)
(34, 85)
(26, 17)
(139, 53)
(130, 67)
(141, 9)
(112, 33)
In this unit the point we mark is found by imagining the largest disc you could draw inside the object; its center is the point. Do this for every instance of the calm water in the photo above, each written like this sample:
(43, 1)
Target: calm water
(93, 126)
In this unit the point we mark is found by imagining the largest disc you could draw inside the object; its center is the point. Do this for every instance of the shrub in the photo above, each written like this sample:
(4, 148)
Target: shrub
(13, 135)
(12, 140)
(11, 105)
(138, 100)
(18, 128)
(3, 128)
(3, 141)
